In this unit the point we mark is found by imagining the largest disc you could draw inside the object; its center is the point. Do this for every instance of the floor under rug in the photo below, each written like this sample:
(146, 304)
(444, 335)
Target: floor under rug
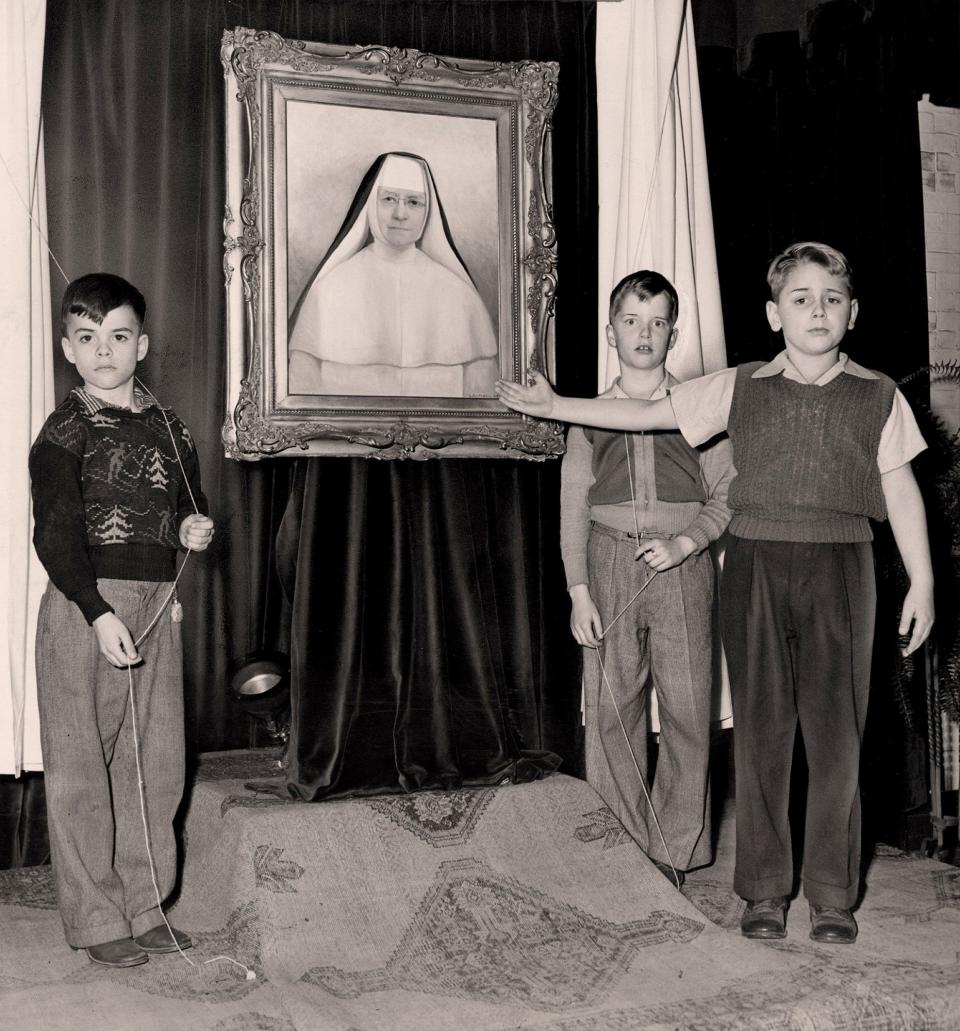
(521, 906)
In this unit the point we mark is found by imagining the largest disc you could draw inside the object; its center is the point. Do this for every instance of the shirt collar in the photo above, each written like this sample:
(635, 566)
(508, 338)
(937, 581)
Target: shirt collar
(93, 404)
(781, 365)
(668, 381)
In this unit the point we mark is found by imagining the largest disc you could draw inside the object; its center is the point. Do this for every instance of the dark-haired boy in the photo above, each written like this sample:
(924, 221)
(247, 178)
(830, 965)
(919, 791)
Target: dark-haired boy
(632, 504)
(115, 483)
(821, 446)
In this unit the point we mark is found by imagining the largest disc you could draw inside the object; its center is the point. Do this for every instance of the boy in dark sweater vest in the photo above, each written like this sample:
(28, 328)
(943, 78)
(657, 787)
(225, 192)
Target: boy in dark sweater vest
(821, 446)
(116, 489)
(632, 504)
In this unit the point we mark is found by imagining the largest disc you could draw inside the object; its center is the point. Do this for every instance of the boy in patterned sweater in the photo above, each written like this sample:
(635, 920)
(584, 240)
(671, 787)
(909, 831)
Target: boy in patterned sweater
(116, 492)
(821, 446)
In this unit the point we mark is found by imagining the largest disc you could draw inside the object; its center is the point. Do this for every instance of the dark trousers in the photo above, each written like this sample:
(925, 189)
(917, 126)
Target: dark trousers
(797, 622)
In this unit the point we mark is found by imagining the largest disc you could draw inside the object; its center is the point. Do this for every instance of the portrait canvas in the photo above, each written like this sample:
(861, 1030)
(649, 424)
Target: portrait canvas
(388, 250)
(412, 348)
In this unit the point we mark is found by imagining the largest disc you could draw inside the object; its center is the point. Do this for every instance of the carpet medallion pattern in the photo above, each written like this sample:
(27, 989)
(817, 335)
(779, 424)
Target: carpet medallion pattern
(601, 825)
(273, 872)
(511, 907)
(483, 936)
(441, 818)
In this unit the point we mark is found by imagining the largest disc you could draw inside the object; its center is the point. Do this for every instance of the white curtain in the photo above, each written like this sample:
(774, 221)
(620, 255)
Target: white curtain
(654, 195)
(26, 386)
(653, 189)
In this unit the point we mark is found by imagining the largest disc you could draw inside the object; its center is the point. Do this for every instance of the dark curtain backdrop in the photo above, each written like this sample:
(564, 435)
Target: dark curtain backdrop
(429, 633)
(811, 131)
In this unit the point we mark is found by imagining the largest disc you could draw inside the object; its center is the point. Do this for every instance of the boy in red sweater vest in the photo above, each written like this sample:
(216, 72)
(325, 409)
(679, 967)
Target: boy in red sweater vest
(631, 505)
(821, 446)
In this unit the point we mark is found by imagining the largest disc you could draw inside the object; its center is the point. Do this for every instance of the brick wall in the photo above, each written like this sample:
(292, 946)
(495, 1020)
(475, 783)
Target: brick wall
(940, 164)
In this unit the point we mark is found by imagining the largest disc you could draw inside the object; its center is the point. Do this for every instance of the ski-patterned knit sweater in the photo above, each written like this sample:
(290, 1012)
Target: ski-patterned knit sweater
(109, 496)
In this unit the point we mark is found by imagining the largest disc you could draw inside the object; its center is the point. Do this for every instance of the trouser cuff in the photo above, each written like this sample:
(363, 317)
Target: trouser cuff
(84, 937)
(818, 893)
(753, 889)
(146, 922)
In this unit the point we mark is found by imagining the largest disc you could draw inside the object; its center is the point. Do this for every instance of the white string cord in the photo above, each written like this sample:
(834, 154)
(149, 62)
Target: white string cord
(603, 671)
(33, 192)
(250, 975)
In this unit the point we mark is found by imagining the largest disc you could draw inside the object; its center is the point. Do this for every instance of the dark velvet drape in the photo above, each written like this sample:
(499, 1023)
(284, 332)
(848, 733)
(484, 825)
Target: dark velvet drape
(429, 601)
(429, 640)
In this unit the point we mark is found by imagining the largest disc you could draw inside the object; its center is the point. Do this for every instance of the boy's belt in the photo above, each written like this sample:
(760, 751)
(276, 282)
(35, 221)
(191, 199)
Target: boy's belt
(628, 535)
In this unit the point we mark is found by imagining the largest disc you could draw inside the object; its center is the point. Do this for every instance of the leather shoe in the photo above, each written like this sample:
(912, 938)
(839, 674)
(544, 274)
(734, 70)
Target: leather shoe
(832, 925)
(765, 918)
(124, 952)
(157, 940)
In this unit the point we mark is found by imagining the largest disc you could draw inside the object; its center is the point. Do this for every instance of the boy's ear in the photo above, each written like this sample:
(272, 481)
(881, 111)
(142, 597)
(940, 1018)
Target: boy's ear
(611, 337)
(68, 350)
(854, 312)
(773, 316)
(143, 345)
(673, 338)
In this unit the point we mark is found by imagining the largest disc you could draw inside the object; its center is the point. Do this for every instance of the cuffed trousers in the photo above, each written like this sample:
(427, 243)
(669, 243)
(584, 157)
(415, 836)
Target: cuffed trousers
(664, 638)
(797, 624)
(99, 856)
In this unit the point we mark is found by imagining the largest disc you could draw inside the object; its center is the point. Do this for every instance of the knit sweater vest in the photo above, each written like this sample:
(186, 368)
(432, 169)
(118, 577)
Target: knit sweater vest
(676, 468)
(806, 457)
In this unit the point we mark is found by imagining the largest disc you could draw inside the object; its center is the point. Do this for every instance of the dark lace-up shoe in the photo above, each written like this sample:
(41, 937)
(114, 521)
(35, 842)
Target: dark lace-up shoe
(765, 918)
(157, 940)
(124, 952)
(832, 925)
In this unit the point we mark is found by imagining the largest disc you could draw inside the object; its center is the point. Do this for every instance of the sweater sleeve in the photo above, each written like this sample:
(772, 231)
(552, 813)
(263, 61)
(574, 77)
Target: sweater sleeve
(576, 478)
(191, 468)
(716, 472)
(60, 531)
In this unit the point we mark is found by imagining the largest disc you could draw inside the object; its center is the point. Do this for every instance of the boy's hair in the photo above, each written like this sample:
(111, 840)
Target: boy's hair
(95, 295)
(808, 252)
(646, 285)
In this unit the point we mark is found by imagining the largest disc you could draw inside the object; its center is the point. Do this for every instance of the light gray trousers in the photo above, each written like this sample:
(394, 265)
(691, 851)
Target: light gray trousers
(664, 638)
(100, 863)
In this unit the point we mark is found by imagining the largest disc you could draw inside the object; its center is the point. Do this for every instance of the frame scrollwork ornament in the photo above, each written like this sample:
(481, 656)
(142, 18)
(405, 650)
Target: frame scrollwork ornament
(265, 75)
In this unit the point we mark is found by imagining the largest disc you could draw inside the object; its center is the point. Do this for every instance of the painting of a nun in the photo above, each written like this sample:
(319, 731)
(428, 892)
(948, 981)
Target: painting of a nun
(392, 309)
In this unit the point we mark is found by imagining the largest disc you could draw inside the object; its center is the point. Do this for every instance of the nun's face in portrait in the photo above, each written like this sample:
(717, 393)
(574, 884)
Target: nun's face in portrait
(401, 214)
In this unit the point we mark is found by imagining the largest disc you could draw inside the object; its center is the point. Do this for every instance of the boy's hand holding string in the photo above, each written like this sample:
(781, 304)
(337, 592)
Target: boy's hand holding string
(115, 640)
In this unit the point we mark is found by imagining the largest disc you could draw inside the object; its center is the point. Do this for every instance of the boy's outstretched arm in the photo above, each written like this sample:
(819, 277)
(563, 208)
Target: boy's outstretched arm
(539, 399)
(908, 520)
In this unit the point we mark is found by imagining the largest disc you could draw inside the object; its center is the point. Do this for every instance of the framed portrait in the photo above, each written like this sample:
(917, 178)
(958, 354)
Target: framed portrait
(389, 250)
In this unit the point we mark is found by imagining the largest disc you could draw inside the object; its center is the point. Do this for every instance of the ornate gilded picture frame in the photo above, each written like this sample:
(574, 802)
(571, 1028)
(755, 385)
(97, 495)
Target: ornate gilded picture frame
(389, 250)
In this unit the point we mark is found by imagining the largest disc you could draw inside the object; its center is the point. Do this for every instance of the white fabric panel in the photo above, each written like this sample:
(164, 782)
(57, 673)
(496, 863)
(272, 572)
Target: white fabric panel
(653, 190)
(26, 386)
(654, 194)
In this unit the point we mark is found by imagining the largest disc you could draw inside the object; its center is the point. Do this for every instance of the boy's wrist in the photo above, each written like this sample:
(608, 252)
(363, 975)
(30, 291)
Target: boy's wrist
(687, 544)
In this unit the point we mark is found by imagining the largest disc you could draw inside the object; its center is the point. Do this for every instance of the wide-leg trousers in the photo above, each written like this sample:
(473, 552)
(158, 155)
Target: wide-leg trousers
(797, 622)
(98, 850)
(664, 638)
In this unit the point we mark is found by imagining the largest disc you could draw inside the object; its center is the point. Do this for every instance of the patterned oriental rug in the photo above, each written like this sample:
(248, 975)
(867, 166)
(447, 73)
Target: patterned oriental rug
(521, 906)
